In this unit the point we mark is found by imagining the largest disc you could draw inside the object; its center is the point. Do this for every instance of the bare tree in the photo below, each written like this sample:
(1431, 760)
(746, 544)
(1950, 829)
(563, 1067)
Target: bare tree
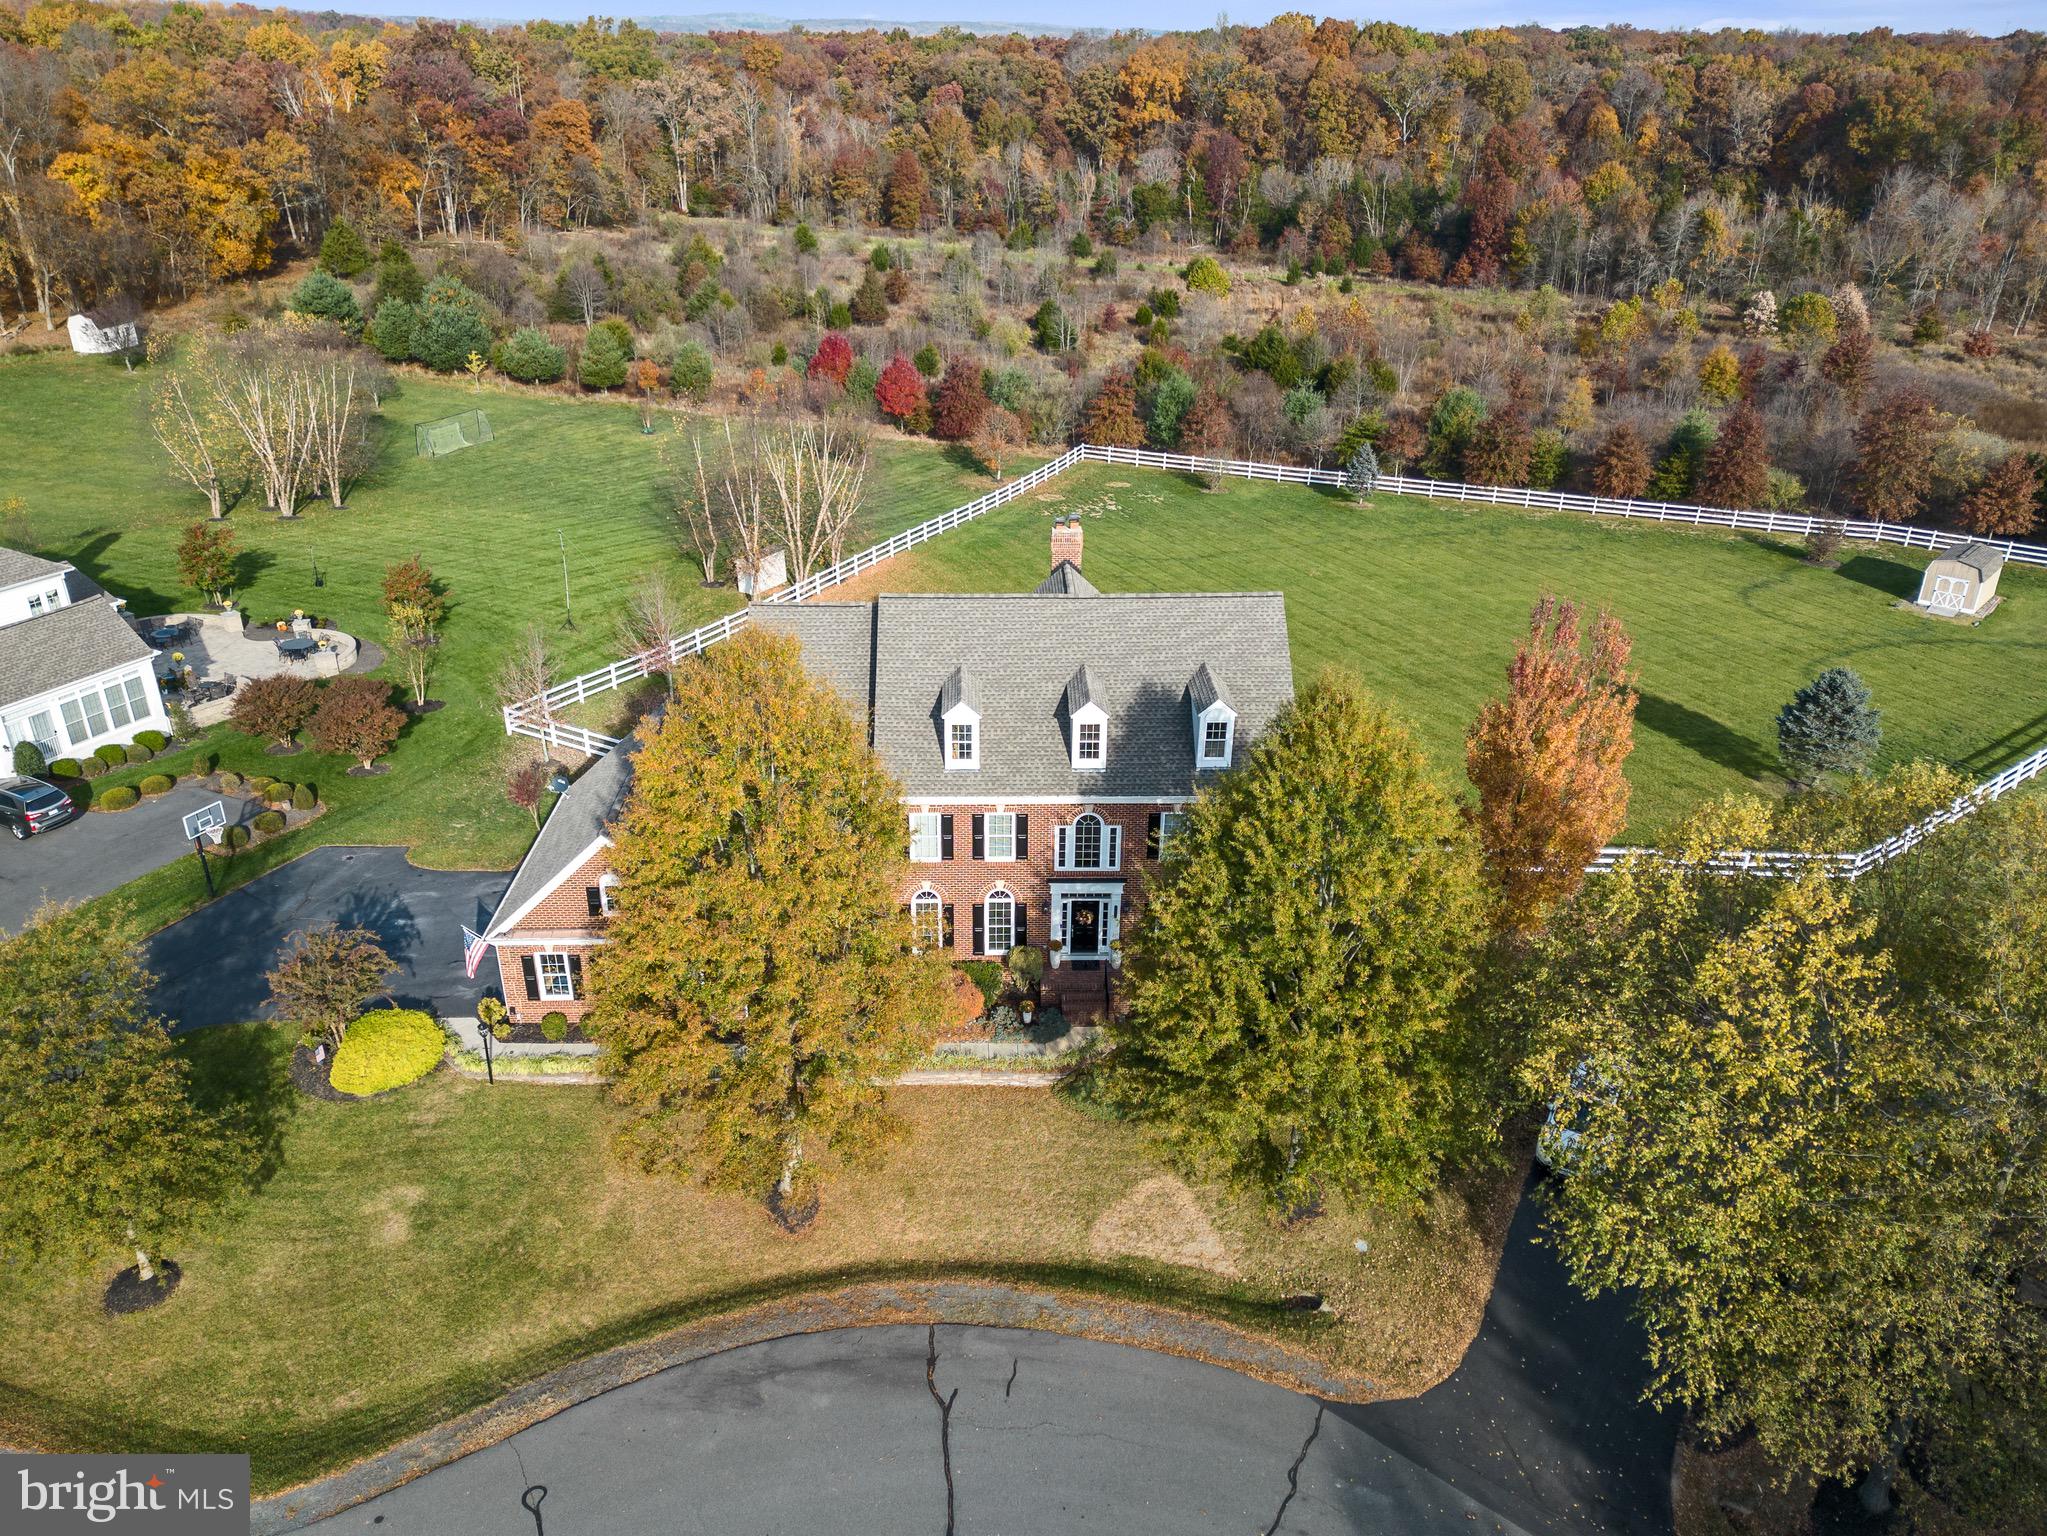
(198, 438)
(696, 507)
(748, 517)
(651, 624)
(819, 472)
(266, 393)
(522, 683)
(336, 397)
(586, 288)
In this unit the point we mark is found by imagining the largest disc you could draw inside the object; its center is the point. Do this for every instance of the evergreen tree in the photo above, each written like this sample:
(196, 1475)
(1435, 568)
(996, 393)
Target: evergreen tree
(1052, 327)
(529, 356)
(1361, 470)
(326, 297)
(102, 1149)
(1452, 420)
(760, 989)
(1737, 468)
(394, 330)
(1171, 399)
(1830, 726)
(397, 277)
(870, 301)
(1684, 458)
(342, 250)
(693, 372)
(603, 363)
(451, 326)
(1296, 976)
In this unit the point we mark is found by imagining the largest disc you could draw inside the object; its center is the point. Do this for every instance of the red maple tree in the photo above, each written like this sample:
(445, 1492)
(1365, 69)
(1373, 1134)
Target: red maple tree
(832, 360)
(961, 404)
(899, 392)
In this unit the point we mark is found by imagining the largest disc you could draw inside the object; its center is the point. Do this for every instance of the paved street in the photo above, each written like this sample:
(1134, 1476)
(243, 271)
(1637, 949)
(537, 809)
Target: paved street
(95, 853)
(210, 966)
(1539, 1432)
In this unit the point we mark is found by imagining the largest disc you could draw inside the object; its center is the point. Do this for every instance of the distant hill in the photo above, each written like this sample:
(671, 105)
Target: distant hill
(753, 21)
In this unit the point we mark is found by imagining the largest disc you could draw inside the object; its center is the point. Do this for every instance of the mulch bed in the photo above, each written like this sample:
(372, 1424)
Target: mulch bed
(128, 1292)
(794, 1218)
(310, 1077)
(527, 1032)
(374, 771)
(416, 710)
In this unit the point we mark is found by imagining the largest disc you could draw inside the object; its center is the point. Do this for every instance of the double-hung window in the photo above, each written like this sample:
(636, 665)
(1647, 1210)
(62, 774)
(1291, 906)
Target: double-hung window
(1215, 741)
(999, 835)
(999, 924)
(960, 744)
(927, 918)
(925, 834)
(1088, 744)
(556, 984)
(1169, 827)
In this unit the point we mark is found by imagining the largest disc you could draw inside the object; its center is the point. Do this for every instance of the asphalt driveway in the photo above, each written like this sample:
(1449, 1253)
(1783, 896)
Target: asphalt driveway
(859, 1431)
(210, 966)
(97, 852)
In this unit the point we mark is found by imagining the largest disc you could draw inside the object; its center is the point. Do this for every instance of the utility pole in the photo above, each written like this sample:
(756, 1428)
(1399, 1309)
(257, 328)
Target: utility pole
(568, 614)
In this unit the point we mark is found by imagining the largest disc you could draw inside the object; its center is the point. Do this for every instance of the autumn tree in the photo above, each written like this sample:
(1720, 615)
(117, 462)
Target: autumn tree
(832, 360)
(1737, 468)
(960, 404)
(1110, 420)
(415, 602)
(355, 718)
(1620, 469)
(763, 840)
(653, 621)
(525, 784)
(1001, 435)
(103, 1147)
(1720, 375)
(1548, 759)
(327, 978)
(207, 560)
(2005, 505)
(277, 706)
(1895, 442)
(1497, 450)
(1266, 1042)
(906, 190)
(899, 392)
(1208, 431)
(1850, 363)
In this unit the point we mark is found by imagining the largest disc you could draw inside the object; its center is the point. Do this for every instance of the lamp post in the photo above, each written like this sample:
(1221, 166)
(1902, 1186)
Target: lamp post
(489, 1068)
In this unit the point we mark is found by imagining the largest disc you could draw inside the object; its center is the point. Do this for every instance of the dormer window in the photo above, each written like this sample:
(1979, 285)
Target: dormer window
(1087, 743)
(959, 717)
(1215, 741)
(1087, 723)
(1214, 718)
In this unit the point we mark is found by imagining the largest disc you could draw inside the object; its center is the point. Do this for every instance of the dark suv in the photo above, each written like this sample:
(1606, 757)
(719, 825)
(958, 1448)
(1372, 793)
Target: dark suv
(30, 805)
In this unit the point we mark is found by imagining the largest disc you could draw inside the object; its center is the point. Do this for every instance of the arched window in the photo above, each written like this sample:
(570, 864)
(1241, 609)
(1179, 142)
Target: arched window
(927, 917)
(998, 923)
(1088, 842)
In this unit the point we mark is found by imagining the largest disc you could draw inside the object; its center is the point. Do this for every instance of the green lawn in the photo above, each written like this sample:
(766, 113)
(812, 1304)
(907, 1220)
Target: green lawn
(75, 447)
(411, 1257)
(1427, 599)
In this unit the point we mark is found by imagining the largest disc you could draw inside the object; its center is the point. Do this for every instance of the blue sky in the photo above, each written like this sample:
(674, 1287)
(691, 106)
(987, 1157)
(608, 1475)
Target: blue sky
(1986, 16)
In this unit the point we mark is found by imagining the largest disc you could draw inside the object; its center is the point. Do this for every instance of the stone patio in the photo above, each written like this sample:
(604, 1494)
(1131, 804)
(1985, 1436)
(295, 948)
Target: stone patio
(218, 648)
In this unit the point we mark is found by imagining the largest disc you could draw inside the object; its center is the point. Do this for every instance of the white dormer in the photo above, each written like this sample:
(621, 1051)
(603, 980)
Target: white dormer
(1087, 724)
(959, 722)
(1214, 721)
(31, 586)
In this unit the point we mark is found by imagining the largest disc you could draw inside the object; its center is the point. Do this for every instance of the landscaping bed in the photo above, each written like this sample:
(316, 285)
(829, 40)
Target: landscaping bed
(337, 1308)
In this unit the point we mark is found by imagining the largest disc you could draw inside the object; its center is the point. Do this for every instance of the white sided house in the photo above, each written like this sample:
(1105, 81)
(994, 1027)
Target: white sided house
(73, 675)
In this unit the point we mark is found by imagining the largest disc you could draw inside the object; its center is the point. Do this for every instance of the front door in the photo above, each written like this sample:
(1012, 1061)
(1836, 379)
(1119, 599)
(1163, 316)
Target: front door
(1084, 929)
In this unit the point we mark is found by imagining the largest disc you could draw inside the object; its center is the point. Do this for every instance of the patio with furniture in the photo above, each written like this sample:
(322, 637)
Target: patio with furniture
(206, 656)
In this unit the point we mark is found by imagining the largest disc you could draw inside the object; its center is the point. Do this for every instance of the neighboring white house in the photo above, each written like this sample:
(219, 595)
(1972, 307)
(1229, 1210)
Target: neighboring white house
(73, 674)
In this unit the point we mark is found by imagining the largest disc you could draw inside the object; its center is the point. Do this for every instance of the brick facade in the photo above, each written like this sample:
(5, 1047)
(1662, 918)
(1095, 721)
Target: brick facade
(560, 923)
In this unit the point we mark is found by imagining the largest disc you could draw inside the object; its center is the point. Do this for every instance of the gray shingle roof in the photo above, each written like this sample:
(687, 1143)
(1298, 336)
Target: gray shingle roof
(63, 646)
(1205, 688)
(582, 815)
(1983, 559)
(18, 565)
(837, 641)
(1082, 690)
(959, 688)
(1066, 581)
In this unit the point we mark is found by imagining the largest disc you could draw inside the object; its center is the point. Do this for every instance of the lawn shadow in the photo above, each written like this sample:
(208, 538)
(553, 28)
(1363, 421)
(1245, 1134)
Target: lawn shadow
(1775, 544)
(1890, 577)
(240, 1073)
(2013, 744)
(1704, 735)
(86, 559)
(964, 459)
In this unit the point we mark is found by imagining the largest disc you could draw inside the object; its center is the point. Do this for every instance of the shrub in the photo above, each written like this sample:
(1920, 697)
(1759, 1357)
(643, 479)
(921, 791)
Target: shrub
(326, 297)
(928, 361)
(236, 836)
(1027, 964)
(28, 759)
(270, 821)
(258, 782)
(963, 1003)
(1204, 274)
(91, 768)
(119, 798)
(138, 753)
(1051, 1022)
(230, 782)
(303, 798)
(156, 741)
(387, 1049)
(62, 768)
(204, 763)
(356, 719)
(529, 356)
(111, 755)
(157, 784)
(278, 794)
(277, 707)
(554, 1026)
(1006, 1021)
(987, 975)
(491, 1015)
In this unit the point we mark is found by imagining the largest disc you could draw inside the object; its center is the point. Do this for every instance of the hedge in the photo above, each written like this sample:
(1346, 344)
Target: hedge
(258, 782)
(156, 741)
(270, 821)
(137, 753)
(65, 768)
(119, 798)
(278, 794)
(111, 755)
(156, 784)
(91, 768)
(29, 759)
(554, 1026)
(230, 782)
(304, 798)
(387, 1049)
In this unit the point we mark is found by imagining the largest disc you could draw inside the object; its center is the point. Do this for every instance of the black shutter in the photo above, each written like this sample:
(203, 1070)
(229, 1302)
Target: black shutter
(532, 970)
(1152, 825)
(980, 836)
(945, 835)
(946, 920)
(980, 930)
(596, 897)
(1022, 925)
(1023, 835)
(575, 975)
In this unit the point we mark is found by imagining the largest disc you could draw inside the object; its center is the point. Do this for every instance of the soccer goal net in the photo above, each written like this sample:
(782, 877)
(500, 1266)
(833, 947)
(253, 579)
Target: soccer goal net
(434, 438)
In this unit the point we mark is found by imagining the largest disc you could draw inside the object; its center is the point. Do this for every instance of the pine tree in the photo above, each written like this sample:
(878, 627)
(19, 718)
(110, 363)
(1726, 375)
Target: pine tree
(1830, 726)
(1111, 417)
(1684, 457)
(603, 363)
(1548, 759)
(326, 297)
(1737, 468)
(760, 990)
(2006, 504)
(102, 1149)
(342, 250)
(1621, 467)
(870, 301)
(1296, 977)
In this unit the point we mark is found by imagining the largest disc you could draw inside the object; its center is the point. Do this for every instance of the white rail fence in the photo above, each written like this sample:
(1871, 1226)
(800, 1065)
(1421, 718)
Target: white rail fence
(535, 717)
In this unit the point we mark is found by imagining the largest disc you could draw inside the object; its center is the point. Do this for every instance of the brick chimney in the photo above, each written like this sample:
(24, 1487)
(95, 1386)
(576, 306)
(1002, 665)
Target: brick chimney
(1066, 541)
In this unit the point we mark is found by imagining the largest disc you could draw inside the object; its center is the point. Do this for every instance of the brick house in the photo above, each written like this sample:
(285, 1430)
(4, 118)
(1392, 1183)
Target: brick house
(1045, 741)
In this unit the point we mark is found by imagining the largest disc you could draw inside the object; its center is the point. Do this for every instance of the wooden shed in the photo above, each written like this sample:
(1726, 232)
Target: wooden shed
(1962, 583)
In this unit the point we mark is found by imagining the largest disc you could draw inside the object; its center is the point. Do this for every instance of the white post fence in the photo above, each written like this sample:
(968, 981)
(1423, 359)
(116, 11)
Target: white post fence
(535, 717)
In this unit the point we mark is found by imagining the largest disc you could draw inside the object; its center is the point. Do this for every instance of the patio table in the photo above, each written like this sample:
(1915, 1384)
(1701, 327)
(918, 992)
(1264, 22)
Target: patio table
(293, 647)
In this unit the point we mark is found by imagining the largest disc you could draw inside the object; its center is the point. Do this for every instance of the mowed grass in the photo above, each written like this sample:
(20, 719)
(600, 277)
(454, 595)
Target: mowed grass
(413, 1256)
(492, 521)
(1427, 600)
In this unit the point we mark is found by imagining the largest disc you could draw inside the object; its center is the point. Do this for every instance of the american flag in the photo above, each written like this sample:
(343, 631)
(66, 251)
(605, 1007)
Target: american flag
(473, 946)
